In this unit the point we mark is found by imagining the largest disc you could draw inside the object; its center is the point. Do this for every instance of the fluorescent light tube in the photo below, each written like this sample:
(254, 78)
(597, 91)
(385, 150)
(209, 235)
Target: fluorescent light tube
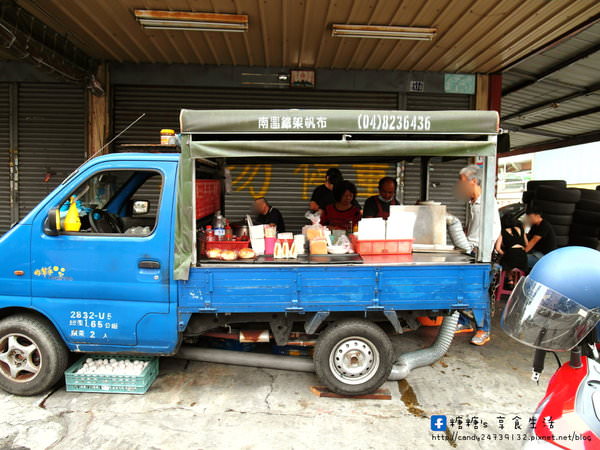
(190, 21)
(383, 32)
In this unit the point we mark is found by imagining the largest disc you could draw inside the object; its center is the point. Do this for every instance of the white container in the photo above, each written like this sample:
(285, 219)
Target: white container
(257, 232)
(400, 226)
(258, 245)
(371, 229)
(300, 242)
(430, 225)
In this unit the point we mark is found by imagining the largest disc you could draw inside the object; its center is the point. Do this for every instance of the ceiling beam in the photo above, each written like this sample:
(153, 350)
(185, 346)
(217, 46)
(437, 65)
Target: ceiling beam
(551, 134)
(27, 38)
(593, 136)
(554, 42)
(573, 115)
(550, 103)
(553, 69)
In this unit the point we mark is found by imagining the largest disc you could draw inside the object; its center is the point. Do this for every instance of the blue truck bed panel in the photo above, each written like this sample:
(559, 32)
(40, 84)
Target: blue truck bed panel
(219, 289)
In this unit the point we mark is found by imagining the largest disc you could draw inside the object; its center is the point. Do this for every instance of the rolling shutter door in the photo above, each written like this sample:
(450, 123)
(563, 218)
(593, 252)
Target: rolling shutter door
(4, 158)
(288, 187)
(438, 102)
(51, 138)
(443, 174)
(163, 103)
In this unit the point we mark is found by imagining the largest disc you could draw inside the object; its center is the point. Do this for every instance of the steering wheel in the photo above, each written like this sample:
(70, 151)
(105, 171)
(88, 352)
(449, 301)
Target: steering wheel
(106, 223)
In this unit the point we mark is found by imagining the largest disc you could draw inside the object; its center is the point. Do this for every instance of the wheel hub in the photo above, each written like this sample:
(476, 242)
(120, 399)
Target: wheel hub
(20, 358)
(354, 360)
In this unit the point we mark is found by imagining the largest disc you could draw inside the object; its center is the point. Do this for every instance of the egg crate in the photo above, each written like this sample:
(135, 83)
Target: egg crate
(112, 384)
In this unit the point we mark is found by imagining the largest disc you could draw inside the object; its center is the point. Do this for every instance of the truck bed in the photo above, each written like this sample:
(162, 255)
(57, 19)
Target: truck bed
(422, 281)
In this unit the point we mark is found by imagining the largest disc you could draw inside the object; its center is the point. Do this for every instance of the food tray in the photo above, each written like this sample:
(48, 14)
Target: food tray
(112, 384)
(225, 245)
(383, 247)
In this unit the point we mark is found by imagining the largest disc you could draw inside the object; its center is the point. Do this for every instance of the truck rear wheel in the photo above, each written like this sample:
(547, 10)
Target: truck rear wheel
(353, 357)
(32, 355)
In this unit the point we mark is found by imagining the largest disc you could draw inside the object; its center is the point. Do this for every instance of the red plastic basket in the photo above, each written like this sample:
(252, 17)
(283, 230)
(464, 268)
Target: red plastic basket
(383, 247)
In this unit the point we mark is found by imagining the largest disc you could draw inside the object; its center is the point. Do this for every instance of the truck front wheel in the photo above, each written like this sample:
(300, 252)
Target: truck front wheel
(32, 355)
(353, 357)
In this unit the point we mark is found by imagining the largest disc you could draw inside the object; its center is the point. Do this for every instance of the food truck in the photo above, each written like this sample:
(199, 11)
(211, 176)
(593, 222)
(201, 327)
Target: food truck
(133, 277)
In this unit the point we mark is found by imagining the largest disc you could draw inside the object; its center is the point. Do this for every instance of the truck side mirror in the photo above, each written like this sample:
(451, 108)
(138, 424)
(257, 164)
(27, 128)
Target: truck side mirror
(140, 207)
(52, 224)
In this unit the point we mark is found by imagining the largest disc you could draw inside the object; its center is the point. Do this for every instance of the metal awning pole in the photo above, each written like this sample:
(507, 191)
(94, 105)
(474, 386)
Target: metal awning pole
(486, 240)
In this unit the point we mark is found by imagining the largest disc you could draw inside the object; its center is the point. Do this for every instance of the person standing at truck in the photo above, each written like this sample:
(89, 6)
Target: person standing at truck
(323, 194)
(267, 215)
(343, 214)
(469, 188)
(379, 205)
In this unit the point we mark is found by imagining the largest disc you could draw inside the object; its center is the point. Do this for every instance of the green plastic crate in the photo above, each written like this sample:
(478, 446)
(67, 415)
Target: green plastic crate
(112, 384)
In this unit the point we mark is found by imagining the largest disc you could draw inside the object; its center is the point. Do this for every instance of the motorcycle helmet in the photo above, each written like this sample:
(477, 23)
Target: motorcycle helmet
(558, 303)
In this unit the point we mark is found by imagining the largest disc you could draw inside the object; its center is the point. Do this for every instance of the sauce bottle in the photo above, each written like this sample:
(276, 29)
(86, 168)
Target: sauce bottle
(228, 233)
(209, 234)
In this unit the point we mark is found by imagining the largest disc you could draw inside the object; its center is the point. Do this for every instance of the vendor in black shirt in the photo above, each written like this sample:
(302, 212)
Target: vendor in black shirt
(267, 215)
(379, 205)
(541, 238)
(323, 194)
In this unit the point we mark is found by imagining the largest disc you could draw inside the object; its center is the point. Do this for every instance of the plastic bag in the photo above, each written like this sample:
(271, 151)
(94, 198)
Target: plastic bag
(314, 217)
(341, 246)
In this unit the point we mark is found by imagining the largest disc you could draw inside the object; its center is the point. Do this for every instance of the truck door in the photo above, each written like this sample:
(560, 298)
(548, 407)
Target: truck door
(102, 283)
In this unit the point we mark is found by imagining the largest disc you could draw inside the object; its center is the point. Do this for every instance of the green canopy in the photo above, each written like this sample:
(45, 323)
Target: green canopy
(233, 122)
(294, 121)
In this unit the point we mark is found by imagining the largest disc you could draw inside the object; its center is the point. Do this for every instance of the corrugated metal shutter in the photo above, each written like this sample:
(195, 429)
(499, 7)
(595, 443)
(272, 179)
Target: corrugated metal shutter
(289, 187)
(442, 179)
(432, 102)
(4, 158)
(163, 103)
(51, 138)
(442, 174)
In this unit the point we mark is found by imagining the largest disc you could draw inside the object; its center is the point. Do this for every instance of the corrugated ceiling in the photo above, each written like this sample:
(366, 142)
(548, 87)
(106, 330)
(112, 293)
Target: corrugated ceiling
(473, 35)
(577, 117)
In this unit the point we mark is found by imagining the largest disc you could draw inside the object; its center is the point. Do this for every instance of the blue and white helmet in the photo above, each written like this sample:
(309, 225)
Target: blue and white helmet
(558, 303)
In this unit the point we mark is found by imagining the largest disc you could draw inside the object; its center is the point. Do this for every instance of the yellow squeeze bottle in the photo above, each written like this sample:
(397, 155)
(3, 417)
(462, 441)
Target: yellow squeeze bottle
(72, 222)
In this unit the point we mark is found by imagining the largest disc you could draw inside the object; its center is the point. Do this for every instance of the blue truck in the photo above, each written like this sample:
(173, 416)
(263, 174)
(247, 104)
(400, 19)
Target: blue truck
(130, 281)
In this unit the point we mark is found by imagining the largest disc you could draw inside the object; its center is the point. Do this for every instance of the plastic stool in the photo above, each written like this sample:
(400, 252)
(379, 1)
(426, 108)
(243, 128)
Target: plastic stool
(501, 289)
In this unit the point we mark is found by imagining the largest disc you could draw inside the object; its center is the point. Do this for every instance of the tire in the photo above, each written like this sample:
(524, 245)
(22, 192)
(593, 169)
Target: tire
(588, 205)
(578, 229)
(555, 207)
(353, 341)
(590, 194)
(561, 230)
(558, 219)
(562, 241)
(33, 357)
(558, 195)
(587, 217)
(583, 241)
(534, 185)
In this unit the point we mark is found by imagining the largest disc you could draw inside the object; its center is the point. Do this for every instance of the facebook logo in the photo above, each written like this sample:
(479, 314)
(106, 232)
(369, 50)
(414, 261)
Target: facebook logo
(438, 423)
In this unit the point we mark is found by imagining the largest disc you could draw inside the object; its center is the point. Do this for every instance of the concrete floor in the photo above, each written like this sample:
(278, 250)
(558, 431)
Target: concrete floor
(202, 405)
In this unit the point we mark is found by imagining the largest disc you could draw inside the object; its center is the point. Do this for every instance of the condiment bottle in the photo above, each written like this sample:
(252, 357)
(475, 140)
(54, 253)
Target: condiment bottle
(228, 233)
(209, 233)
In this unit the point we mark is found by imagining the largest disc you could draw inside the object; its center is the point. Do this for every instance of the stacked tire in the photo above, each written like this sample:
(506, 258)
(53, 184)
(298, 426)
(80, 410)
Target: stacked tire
(585, 229)
(532, 187)
(557, 206)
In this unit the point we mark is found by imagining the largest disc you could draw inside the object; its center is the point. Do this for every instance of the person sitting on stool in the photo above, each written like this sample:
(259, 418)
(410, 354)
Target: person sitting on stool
(541, 237)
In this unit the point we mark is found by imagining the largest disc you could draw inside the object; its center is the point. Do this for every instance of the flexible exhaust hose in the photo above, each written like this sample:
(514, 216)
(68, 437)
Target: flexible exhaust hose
(424, 357)
(457, 235)
(400, 370)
